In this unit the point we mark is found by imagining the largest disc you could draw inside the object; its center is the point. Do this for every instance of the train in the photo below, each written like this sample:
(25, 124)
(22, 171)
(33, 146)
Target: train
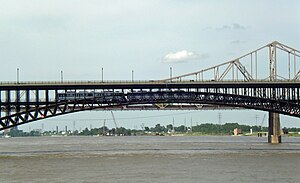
(93, 96)
(120, 97)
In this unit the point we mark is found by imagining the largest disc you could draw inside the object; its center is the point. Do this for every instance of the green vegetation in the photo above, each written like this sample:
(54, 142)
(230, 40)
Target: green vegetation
(202, 129)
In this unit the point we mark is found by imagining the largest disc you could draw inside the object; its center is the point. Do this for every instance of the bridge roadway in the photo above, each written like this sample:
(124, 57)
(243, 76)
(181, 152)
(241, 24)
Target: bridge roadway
(151, 84)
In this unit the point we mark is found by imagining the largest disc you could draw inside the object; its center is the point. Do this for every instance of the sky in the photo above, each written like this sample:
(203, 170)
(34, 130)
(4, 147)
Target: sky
(79, 37)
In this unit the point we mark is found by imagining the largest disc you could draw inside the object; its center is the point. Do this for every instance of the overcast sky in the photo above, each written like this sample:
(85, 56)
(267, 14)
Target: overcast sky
(43, 37)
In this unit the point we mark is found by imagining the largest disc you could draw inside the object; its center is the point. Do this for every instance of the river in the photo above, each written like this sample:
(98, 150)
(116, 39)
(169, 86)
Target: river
(149, 159)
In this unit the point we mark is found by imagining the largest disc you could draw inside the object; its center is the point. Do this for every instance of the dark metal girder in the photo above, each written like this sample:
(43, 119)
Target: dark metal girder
(42, 112)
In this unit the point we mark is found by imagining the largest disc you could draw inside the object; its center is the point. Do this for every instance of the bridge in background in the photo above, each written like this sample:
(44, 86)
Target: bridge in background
(265, 79)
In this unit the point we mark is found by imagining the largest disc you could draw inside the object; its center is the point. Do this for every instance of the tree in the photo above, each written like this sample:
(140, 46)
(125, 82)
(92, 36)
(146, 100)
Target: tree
(181, 128)
(169, 127)
(85, 132)
(147, 129)
(159, 128)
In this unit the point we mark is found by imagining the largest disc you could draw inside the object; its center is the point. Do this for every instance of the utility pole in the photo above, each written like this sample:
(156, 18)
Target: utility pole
(42, 127)
(173, 130)
(103, 128)
(220, 121)
(256, 117)
(143, 126)
(191, 124)
(185, 127)
(74, 123)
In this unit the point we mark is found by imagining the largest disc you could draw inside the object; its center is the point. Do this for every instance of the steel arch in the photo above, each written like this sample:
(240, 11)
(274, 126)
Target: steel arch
(37, 112)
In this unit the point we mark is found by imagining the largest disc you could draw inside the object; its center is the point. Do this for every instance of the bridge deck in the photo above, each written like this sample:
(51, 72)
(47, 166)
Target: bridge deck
(144, 84)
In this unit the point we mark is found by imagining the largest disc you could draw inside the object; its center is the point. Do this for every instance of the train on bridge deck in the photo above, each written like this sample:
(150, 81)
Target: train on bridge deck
(91, 96)
(120, 97)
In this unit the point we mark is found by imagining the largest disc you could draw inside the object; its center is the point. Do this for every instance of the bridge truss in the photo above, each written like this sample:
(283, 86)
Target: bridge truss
(258, 65)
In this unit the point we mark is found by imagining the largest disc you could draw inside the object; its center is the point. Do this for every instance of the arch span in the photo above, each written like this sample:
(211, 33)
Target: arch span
(52, 109)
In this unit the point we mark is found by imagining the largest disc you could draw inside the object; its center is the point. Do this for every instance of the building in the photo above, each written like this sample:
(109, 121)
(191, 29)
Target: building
(237, 131)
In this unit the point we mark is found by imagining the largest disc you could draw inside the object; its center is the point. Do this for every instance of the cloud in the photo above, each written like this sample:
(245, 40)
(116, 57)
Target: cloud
(224, 27)
(182, 56)
(234, 26)
(238, 27)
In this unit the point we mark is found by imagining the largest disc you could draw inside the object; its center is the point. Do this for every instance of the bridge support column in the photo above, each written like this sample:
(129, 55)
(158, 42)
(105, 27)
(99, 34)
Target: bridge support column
(274, 135)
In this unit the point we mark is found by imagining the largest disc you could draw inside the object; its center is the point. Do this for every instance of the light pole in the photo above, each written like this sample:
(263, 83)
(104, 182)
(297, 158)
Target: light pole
(102, 74)
(171, 74)
(132, 72)
(61, 76)
(18, 75)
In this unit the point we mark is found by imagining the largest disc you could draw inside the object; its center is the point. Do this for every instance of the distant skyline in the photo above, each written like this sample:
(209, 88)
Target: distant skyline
(43, 38)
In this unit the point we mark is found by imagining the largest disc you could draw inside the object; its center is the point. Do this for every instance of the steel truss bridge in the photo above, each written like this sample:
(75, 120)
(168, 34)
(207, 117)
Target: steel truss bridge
(265, 79)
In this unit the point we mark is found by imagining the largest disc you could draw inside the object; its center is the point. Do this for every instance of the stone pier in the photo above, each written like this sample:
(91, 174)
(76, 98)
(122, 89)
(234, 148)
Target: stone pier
(274, 135)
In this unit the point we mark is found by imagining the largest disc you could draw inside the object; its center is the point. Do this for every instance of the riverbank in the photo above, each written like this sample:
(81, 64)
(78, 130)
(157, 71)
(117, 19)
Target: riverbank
(165, 134)
(205, 129)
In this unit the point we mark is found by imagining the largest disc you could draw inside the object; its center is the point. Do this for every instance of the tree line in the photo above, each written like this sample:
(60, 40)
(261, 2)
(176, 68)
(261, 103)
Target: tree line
(205, 129)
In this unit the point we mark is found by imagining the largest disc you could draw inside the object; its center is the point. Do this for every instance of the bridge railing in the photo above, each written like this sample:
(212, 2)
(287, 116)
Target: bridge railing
(96, 82)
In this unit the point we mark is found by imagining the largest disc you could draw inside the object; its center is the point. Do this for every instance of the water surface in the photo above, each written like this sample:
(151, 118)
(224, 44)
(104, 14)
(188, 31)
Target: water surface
(149, 159)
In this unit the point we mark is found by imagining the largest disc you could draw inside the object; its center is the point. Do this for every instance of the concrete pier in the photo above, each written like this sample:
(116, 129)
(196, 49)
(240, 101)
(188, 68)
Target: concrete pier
(274, 135)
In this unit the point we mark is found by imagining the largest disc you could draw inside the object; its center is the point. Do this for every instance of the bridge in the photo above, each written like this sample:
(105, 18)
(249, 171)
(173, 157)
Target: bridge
(265, 79)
